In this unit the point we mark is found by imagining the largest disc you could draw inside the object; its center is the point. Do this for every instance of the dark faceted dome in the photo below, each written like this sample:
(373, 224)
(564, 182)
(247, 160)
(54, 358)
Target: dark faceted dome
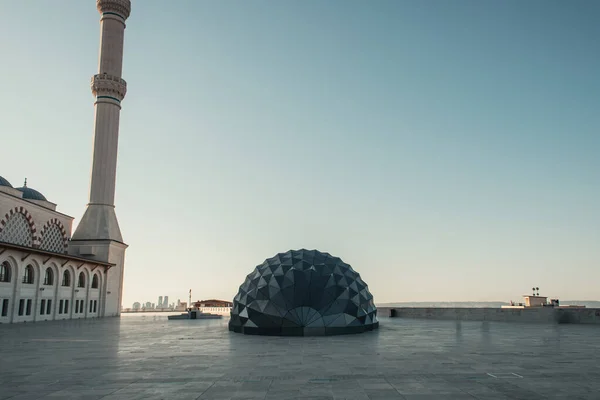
(31, 194)
(303, 293)
(4, 182)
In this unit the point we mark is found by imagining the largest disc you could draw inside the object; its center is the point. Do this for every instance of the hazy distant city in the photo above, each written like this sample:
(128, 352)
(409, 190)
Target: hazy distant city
(162, 304)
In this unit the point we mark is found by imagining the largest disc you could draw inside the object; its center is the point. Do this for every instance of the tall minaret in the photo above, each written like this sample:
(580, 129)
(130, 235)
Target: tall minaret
(98, 235)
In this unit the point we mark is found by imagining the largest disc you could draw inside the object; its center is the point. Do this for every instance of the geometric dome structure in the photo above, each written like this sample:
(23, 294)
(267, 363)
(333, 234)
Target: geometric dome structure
(303, 293)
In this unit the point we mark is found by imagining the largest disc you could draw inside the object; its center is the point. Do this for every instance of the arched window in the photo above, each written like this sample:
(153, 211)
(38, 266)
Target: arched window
(66, 278)
(81, 281)
(28, 275)
(95, 281)
(5, 272)
(49, 277)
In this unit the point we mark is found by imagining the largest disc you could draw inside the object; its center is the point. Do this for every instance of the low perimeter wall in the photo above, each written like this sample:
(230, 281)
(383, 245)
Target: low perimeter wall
(535, 315)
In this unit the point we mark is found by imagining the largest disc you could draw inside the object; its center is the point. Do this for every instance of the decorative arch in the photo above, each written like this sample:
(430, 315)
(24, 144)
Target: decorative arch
(53, 236)
(13, 228)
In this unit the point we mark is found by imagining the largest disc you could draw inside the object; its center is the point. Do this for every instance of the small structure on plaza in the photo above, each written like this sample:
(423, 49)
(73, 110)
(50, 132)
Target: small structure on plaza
(303, 293)
(198, 311)
(535, 300)
(213, 303)
(195, 314)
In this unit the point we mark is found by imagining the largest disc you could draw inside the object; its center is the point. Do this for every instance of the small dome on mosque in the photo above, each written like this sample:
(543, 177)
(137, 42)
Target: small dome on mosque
(4, 182)
(31, 194)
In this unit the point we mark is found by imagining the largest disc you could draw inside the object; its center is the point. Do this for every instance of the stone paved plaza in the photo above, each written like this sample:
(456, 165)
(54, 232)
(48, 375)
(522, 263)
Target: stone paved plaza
(148, 357)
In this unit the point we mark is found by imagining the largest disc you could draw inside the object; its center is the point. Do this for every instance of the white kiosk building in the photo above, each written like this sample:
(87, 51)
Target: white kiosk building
(47, 273)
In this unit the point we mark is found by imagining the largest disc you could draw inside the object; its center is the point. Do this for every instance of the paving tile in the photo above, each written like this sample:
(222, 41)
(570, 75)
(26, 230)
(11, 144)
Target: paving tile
(132, 357)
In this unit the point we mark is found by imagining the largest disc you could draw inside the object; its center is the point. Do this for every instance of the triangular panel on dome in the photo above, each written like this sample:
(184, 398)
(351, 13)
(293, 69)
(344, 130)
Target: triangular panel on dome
(267, 273)
(274, 281)
(288, 281)
(278, 271)
(349, 318)
(262, 304)
(273, 290)
(272, 309)
(292, 315)
(287, 262)
(262, 282)
(338, 322)
(344, 296)
(338, 271)
(288, 323)
(263, 293)
(316, 322)
(311, 315)
(328, 319)
(255, 274)
(337, 307)
(351, 308)
(279, 300)
(250, 324)
(331, 281)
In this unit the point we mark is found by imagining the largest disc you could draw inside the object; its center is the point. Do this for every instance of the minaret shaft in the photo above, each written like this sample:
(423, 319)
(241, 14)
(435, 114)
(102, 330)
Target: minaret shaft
(104, 165)
(112, 32)
(100, 221)
(98, 236)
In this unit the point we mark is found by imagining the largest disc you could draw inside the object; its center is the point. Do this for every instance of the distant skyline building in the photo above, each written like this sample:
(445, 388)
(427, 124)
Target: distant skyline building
(166, 302)
(160, 301)
(136, 306)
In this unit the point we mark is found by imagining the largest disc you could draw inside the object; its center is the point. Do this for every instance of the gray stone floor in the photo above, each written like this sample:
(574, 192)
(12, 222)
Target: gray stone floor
(149, 357)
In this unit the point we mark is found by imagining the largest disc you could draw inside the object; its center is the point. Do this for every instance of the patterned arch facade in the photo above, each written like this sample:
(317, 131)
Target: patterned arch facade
(5, 224)
(53, 237)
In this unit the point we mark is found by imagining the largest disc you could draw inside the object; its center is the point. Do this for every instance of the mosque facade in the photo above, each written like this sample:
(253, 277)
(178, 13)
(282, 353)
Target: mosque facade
(47, 271)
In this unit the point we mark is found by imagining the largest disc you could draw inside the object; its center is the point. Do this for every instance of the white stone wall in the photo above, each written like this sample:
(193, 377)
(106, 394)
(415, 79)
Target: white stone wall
(113, 252)
(38, 292)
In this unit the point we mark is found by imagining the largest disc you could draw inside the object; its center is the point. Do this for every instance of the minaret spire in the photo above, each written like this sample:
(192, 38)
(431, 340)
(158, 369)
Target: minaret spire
(100, 221)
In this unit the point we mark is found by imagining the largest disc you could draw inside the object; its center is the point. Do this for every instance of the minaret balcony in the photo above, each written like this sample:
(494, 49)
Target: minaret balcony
(111, 7)
(108, 86)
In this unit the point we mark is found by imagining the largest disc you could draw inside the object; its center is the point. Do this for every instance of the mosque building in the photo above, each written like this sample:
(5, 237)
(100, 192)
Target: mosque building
(48, 272)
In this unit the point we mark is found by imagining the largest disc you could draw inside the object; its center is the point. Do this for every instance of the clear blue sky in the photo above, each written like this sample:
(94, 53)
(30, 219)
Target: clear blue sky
(447, 150)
